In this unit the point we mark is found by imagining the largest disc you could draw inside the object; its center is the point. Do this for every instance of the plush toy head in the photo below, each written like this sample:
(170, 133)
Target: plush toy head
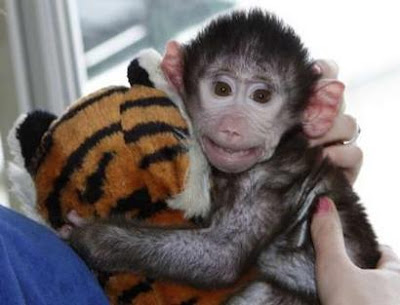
(112, 152)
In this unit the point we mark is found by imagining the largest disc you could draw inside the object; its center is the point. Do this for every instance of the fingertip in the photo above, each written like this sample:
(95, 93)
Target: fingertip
(321, 221)
(327, 234)
(334, 67)
(351, 124)
(348, 157)
(324, 206)
(389, 259)
(385, 248)
(328, 68)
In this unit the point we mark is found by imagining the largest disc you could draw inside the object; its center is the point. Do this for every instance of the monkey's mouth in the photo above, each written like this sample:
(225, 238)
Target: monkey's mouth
(230, 159)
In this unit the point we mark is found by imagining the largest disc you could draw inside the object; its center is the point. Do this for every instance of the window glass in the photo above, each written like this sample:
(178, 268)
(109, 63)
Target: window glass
(113, 31)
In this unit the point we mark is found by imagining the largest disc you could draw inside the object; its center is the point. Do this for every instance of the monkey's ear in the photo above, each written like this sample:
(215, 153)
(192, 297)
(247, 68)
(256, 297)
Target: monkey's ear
(172, 65)
(323, 107)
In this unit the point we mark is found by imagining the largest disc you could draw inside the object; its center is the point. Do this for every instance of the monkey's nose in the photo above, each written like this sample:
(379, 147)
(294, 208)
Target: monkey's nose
(230, 134)
(230, 128)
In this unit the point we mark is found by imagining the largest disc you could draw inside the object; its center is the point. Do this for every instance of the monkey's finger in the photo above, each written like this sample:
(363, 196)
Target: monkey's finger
(347, 157)
(65, 232)
(328, 240)
(389, 259)
(344, 128)
(327, 68)
(75, 219)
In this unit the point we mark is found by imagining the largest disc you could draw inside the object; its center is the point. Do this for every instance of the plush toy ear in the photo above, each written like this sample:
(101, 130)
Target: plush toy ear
(172, 65)
(323, 107)
(137, 75)
(25, 137)
(145, 69)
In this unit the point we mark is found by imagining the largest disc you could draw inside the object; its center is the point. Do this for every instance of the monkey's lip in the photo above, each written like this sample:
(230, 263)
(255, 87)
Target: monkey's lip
(230, 159)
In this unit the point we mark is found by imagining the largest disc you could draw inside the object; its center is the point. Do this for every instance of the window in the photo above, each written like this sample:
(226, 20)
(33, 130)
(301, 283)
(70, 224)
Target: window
(113, 31)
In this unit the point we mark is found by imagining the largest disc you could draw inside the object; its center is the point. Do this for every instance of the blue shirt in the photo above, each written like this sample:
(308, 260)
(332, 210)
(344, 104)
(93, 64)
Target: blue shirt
(37, 268)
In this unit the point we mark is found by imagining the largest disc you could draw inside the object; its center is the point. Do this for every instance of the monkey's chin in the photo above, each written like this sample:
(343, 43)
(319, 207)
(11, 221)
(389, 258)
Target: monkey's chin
(231, 160)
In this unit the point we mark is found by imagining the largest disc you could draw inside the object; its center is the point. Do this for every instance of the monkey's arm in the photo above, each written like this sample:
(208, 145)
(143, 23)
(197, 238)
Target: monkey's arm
(196, 256)
(211, 256)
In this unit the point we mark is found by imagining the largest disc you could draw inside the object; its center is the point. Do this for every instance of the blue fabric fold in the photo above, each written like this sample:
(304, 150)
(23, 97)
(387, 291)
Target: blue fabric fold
(37, 268)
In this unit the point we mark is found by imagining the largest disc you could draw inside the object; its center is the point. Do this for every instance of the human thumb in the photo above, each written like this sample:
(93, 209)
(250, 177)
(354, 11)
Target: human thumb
(327, 236)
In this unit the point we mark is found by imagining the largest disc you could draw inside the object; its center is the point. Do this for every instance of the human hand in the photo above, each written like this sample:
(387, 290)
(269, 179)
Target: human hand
(339, 281)
(344, 129)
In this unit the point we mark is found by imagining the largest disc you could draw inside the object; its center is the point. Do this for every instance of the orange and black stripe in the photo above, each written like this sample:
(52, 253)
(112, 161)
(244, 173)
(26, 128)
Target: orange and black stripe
(130, 294)
(73, 163)
(140, 120)
(75, 109)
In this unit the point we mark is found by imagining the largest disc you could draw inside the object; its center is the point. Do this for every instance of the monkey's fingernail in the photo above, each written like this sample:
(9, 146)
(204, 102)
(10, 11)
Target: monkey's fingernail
(323, 206)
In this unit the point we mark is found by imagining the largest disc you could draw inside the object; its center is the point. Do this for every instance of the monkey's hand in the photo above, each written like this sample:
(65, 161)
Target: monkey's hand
(199, 257)
(73, 220)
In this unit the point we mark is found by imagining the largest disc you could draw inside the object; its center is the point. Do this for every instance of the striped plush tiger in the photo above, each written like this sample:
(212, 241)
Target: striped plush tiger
(121, 151)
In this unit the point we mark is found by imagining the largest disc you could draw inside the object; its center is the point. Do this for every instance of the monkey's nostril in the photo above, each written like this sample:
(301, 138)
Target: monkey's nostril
(230, 133)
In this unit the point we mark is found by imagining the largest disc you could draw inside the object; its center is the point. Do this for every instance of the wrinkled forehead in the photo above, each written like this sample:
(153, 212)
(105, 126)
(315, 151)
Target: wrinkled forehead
(248, 67)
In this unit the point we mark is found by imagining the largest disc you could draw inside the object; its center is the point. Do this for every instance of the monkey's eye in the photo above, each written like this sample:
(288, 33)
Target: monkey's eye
(222, 89)
(261, 96)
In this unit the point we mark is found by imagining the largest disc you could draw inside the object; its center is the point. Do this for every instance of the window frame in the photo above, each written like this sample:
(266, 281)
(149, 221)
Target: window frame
(47, 53)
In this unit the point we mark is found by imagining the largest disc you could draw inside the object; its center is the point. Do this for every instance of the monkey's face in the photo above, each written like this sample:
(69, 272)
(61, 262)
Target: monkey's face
(245, 79)
(239, 117)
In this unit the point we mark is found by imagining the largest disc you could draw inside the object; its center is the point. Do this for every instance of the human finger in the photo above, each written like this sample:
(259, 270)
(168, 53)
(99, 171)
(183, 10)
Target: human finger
(347, 157)
(327, 68)
(327, 237)
(389, 259)
(344, 129)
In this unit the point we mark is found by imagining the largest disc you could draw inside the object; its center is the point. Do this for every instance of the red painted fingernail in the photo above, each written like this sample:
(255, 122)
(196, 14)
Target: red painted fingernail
(323, 206)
